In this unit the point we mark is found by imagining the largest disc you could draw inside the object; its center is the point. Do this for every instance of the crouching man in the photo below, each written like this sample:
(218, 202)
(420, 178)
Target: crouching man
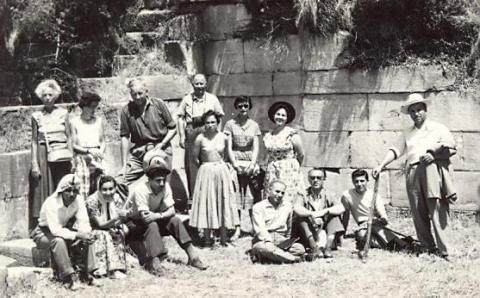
(153, 216)
(65, 209)
(313, 220)
(272, 227)
(358, 201)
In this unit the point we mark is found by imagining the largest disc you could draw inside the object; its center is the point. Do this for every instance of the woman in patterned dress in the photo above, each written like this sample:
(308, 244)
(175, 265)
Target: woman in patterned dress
(107, 216)
(88, 142)
(49, 123)
(243, 143)
(213, 196)
(284, 151)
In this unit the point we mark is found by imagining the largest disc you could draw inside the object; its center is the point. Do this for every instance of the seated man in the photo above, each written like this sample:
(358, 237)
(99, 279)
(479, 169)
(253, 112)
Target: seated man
(272, 225)
(312, 220)
(358, 201)
(153, 216)
(62, 210)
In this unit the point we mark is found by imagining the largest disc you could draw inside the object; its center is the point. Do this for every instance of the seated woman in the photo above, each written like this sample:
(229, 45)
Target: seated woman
(107, 215)
(214, 205)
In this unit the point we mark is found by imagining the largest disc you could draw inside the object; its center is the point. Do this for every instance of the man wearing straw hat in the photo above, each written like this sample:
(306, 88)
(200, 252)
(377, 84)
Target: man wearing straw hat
(428, 146)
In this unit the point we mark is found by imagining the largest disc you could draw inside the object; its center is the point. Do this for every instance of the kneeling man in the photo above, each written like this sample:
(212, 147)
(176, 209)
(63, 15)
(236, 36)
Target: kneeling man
(60, 212)
(358, 201)
(272, 227)
(153, 216)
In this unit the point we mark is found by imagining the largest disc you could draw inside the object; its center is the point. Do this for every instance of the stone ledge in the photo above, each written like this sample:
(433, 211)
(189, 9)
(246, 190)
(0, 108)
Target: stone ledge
(387, 80)
(225, 21)
(24, 279)
(252, 84)
(224, 57)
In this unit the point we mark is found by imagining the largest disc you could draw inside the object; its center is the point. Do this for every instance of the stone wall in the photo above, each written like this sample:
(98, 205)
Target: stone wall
(347, 118)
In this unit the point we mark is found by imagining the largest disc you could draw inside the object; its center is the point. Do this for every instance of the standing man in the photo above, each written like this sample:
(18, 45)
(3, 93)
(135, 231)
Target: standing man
(190, 112)
(147, 123)
(312, 219)
(153, 216)
(272, 227)
(428, 146)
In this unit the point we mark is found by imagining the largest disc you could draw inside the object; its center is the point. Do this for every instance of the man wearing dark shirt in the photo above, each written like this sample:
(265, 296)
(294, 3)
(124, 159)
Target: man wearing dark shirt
(146, 123)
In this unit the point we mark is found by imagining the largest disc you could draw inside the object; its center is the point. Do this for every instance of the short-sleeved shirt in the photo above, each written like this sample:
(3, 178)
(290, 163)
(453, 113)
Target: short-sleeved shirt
(192, 107)
(416, 141)
(359, 205)
(325, 199)
(51, 124)
(268, 219)
(148, 126)
(242, 137)
(144, 199)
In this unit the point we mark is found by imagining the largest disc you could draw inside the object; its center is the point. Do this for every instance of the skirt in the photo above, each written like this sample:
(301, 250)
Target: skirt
(50, 175)
(287, 171)
(109, 251)
(214, 203)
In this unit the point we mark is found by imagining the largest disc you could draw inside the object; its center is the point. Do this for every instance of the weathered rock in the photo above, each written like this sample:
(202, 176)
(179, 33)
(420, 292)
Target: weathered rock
(384, 112)
(7, 262)
(288, 55)
(20, 250)
(339, 112)
(187, 27)
(469, 151)
(134, 42)
(120, 62)
(3, 281)
(113, 158)
(21, 164)
(224, 57)
(186, 55)
(326, 149)
(225, 21)
(367, 148)
(24, 279)
(287, 83)
(254, 84)
(324, 52)
(147, 20)
(259, 57)
(14, 219)
(387, 80)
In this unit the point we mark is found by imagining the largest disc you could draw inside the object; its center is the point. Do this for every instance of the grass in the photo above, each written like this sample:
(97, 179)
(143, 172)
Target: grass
(231, 274)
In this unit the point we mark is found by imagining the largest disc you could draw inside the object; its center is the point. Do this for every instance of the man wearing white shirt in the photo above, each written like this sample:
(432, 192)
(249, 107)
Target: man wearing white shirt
(426, 144)
(60, 212)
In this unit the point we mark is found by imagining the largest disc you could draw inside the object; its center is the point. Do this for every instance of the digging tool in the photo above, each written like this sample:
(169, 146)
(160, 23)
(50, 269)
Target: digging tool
(363, 254)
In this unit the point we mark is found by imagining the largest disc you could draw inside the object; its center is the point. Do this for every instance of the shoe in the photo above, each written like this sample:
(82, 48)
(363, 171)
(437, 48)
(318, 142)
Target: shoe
(197, 263)
(93, 282)
(155, 267)
(118, 275)
(71, 282)
(327, 254)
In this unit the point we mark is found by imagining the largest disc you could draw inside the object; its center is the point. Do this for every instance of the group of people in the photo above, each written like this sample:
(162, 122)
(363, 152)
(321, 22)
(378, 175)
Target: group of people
(87, 218)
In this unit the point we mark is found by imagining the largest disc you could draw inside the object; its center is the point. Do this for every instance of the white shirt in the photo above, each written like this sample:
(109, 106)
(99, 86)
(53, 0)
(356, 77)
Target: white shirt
(55, 216)
(416, 141)
(359, 205)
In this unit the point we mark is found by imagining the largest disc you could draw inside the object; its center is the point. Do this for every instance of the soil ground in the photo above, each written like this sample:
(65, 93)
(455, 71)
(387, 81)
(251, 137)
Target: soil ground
(231, 273)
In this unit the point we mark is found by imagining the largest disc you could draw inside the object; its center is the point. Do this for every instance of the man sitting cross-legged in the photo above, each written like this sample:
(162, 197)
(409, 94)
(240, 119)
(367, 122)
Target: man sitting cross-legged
(272, 226)
(358, 201)
(154, 216)
(312, 219)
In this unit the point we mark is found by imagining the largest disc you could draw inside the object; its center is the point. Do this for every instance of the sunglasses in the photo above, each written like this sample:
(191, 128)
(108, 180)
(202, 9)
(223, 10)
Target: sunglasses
(246, 105)
(317, 178)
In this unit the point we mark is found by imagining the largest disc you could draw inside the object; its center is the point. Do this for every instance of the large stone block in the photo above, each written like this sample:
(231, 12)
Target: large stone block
(20, 250)
(288, 55)
(6, 176)
(324, 52)
(384, 112)
(326, 149)
(20, 164)
(367, 148)
(259, 57)
(339, 112)
(7, 261)
(287, 83)
(23, 280)
(185, 27)
(225, 21)
(224, 57)
(458, 111)
(387, 80)
(146, 20)
(398, 191)
(469, 151)
(259, 111)
(113, 158)
(14, 219)
(253, 84)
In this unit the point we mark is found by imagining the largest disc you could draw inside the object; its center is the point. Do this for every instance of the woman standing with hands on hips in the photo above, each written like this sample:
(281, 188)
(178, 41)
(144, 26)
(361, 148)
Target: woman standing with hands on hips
(284, 151)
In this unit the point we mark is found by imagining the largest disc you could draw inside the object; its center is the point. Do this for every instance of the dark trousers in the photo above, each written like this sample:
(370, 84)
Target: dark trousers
(304, 228)
(150, 237)
(66, 253)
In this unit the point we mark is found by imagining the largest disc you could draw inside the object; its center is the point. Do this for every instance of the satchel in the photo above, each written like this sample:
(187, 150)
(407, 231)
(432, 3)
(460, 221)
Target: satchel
(57, 151)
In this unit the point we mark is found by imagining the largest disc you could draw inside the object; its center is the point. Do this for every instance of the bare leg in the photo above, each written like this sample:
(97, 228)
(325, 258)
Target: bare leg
(223, 236)
(238, 231)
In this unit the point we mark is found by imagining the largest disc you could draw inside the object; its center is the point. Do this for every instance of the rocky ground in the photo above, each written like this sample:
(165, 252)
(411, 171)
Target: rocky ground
(231, 273)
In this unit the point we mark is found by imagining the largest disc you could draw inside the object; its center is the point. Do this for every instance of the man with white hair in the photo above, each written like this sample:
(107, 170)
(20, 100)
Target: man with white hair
(428, 146)
(148, 124)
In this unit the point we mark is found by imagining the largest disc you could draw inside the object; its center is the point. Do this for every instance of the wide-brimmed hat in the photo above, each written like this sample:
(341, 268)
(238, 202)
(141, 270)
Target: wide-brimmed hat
(413, 99)
(156, 159)
(282, 104)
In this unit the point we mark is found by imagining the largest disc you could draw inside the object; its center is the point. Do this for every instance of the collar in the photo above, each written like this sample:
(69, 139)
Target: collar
(426, 126)
(60, 202)
(199, 99)
(310, 192)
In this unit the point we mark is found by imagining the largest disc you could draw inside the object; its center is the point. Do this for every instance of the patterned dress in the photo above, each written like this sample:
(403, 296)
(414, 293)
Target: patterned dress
(213, 197)
(110, 244)
(242, 145)
(282, 163)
